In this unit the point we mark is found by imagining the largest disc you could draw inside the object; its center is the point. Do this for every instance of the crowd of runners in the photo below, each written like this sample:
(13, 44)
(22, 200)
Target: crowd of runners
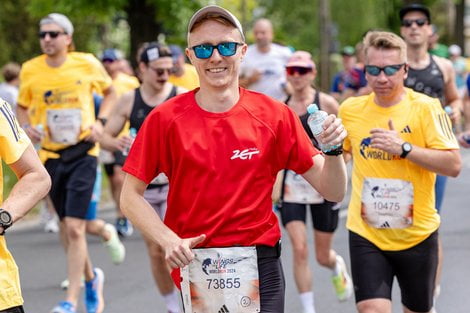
(196, 153)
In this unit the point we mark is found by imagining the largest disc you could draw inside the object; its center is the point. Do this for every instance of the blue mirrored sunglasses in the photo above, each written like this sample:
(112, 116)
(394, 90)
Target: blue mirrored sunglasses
(389, 70)
(225, 49)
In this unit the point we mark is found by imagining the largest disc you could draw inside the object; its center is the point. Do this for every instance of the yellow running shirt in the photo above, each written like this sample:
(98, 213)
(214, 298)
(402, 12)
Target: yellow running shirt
(13, 142)
(189, 80)
(124, 83)
(63, 96)
(419, 120)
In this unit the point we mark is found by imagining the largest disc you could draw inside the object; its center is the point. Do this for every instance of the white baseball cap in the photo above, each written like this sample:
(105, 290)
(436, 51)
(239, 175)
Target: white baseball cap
(213, 11)
(59, 19)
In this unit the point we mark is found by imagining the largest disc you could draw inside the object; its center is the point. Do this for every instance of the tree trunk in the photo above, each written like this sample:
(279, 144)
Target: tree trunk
(141, 17)
(325, 29)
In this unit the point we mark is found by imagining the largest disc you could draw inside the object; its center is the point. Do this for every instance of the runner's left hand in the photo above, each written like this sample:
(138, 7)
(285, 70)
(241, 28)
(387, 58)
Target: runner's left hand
(387, 140)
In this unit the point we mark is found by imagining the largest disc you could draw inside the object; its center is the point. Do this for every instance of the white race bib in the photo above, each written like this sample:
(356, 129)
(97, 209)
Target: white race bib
(298, 190)
(221, 280)
(387, 203)
(64, 125)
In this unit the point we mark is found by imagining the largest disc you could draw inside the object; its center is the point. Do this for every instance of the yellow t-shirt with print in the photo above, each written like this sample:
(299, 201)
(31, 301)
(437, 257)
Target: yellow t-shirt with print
(62, 96)
(419, 120)
(13, 142)
(189, 80)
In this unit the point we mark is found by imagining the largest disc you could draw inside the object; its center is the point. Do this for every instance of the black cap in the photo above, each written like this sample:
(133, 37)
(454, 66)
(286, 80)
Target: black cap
(415, 7)
(153, 51)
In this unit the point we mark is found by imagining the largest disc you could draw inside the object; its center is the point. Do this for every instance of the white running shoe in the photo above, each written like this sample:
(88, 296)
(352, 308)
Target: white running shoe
(116, 249)
(342, 281)
(51, 226)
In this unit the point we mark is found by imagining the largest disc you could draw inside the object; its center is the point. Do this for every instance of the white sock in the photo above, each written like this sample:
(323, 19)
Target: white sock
(171, 300)
(307, 301)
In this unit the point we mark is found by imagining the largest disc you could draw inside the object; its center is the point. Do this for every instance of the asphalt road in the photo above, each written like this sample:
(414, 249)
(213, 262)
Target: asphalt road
(129, 287)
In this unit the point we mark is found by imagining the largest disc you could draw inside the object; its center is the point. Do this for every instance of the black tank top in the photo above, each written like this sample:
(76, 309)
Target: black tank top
(304, 118)
(140, 109)
(429, 81)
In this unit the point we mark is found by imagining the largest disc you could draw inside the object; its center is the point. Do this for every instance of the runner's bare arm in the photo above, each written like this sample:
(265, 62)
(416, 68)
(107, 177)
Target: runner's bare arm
(177, 250)
(329, 103)
(109, 100)
(116, 122)
(443, 162)
(33, 184)
(450, 89)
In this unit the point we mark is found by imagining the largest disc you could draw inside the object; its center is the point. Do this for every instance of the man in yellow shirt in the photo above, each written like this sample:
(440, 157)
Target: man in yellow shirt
(56, 91)
(33, 184)
(399, 139)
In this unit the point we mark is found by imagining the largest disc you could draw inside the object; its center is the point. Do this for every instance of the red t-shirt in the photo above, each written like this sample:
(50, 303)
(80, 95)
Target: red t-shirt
(221, 166)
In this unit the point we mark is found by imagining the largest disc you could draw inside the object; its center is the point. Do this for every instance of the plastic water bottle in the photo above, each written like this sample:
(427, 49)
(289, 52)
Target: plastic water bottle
(40, 129)
(132, 134)
(315, 122)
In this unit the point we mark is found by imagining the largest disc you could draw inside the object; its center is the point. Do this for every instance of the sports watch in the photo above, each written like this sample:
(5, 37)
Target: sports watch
(406, 148)
(5, 220)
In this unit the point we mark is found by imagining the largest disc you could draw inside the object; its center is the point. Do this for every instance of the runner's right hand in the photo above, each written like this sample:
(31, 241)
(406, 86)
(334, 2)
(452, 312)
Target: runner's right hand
(179, 254)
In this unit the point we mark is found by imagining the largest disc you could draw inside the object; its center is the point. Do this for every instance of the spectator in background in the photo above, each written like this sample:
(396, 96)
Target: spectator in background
(9, 88)
(436, 48)
(184, 74)
(460, 66)
(263, 68)
(351, 79)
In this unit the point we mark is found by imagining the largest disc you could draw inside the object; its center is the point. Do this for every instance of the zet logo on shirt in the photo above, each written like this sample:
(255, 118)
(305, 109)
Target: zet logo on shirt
(246, 154)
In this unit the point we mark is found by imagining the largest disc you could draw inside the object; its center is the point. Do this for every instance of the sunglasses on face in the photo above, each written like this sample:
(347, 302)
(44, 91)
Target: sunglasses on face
(52, 34)
(297, 69)
(161, 71)
(225, 49)
(420, 22)
(389, 70)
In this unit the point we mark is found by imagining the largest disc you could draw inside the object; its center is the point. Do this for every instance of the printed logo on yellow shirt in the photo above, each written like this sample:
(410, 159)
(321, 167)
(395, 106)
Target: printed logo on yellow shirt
(367, 152)
(60, 97)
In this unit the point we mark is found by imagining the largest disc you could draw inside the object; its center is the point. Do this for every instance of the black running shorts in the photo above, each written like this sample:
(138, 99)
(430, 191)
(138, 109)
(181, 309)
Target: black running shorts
(373, 271)
(16, 309)
(324, 217)
(272, 285)
(72, 185)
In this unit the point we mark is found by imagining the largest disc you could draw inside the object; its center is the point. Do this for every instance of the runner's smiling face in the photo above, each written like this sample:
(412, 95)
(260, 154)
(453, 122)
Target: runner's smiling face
(54, 46)
(216, 71)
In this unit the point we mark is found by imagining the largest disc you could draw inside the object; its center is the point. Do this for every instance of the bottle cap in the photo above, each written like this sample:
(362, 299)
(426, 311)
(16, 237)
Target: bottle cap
(132, 131)
(312, 108)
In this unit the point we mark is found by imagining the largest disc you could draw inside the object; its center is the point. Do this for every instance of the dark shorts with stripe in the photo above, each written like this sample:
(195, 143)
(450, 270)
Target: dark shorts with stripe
(72, 185)
(373, 271)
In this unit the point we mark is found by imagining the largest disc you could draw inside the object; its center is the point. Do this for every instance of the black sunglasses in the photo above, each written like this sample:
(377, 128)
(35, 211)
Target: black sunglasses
(226, 49)
(161, 71)
(291, 70)
(52, 34)
(420, 22)
(389, 70)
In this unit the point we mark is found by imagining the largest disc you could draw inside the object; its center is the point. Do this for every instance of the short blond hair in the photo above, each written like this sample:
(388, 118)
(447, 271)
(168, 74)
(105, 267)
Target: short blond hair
(385, 40)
